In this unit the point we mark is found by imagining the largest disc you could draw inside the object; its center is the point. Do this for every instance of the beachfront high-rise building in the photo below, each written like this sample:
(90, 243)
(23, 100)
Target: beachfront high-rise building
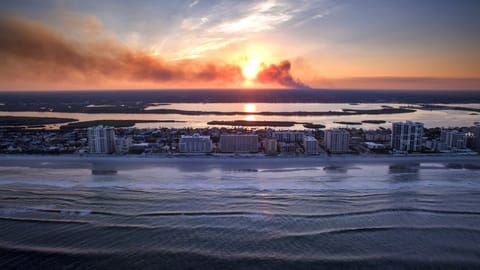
(289, 136)
(453, 139)
(101, 140)
(476, 134)
(337, 140)
(407, 136)
(310, 145)
(246, 143)
(195, 144)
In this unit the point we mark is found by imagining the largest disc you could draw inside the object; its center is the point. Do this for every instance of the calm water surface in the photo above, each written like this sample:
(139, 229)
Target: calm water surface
(443, 118)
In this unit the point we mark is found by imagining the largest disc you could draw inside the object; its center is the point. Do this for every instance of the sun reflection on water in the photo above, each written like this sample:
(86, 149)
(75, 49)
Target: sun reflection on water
(250, 108)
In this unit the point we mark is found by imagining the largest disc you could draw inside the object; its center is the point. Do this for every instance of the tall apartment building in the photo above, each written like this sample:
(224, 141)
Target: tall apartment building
(101, 140)
(453, 139)
(310, 145)
(195, 144)
(407, 137)
(337, 140)
(476, 134)
(247, 143)
(289, 136)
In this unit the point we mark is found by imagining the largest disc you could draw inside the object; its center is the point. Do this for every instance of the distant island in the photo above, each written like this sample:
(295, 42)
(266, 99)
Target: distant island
(33, 121)
(374, 121)
(112, 123)
(253, 123)
(378, 122)
(70, 123)
(247, 123)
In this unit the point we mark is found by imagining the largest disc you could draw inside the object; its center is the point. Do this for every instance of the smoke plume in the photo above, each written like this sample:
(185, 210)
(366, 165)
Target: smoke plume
(279, 74)
(31, 51)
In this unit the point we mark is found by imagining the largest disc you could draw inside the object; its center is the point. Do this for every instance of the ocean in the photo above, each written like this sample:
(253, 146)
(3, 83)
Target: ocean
(194, 213)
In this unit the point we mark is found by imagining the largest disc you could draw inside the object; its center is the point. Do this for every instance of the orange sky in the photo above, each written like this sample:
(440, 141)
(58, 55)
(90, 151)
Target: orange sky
(271, 44)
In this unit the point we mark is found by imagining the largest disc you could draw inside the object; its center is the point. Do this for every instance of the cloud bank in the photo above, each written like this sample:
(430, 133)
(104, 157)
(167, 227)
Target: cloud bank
(31, 51)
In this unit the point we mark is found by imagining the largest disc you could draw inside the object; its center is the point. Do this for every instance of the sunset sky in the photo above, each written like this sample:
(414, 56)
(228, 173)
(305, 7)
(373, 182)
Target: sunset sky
(384, 44)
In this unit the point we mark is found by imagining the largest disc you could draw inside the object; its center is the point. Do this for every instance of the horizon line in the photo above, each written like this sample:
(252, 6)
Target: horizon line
(235, 89)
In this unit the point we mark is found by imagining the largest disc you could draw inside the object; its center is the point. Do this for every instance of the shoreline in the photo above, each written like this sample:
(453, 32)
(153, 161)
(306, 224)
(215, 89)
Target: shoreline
(245, 159)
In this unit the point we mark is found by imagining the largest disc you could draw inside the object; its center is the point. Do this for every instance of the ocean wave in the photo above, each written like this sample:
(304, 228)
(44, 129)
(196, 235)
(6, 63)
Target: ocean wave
(46, 257)
(44, 220)
(302, 215)
(375, 229)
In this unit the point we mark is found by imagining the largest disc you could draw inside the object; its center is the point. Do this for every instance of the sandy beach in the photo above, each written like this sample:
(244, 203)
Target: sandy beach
(223, 161)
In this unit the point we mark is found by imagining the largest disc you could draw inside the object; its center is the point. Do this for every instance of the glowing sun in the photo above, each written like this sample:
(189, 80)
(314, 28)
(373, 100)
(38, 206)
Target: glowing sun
(251, 69)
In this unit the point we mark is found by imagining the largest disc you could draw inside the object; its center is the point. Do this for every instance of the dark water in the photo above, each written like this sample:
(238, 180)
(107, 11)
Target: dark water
(248, 216)
(241, 95)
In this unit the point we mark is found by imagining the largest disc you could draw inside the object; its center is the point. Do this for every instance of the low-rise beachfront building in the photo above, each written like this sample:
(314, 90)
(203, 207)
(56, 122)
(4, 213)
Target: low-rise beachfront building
(101, 140)
(310, 145)
(378, 136)
(407, 136)
(337, 141)
(239, 143)
(123, 144)
(289, 136)
(195, 144)
(436, 145)
(270, 146)
(374, 146)
(289, 148)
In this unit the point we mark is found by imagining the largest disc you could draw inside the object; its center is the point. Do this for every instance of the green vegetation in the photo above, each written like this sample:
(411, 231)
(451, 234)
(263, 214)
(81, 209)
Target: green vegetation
(111, 123)
(313, 126)
(32, 121)
(246, 123)
(374, 121)
(140, 109)
(445, 107)
(347, 123)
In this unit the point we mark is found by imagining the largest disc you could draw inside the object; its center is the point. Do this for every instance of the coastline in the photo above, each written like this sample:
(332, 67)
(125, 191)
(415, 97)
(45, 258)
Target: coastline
(253, 160)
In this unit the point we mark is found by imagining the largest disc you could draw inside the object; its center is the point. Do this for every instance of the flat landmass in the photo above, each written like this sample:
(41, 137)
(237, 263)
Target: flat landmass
(32, 121)
(374, 121)
(38, 122)
(111, 123)
(135, 97)
(253, 123)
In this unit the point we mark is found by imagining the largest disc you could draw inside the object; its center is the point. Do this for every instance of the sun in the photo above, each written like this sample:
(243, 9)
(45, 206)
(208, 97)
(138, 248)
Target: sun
(250, 69)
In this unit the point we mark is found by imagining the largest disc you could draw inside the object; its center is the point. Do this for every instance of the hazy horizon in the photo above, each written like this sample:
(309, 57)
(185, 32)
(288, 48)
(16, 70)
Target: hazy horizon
(27, 90)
